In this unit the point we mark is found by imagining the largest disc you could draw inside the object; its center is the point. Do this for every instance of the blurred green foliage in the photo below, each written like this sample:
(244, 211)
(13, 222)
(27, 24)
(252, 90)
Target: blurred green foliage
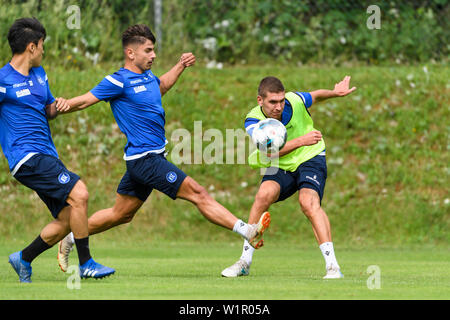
(244, 31)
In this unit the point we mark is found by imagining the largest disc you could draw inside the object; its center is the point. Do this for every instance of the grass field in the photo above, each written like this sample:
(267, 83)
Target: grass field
(191, 271)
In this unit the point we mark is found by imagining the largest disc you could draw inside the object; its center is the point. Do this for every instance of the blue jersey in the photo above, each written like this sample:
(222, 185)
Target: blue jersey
(135, 101)
(24, 128)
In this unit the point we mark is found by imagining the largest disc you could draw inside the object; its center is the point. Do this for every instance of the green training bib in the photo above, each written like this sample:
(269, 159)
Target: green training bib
(300, 124)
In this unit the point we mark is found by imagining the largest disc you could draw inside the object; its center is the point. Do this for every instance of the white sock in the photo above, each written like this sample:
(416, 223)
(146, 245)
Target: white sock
(71, 237)
(240, 227)
(247, 252)
(328, 254)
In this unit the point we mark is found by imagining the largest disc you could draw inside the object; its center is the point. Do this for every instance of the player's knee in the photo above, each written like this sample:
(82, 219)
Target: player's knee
(82, 196)
(308, 205)
(197, 193)
(201, 194)
(79, 196)
(265, 197)
(126, 218)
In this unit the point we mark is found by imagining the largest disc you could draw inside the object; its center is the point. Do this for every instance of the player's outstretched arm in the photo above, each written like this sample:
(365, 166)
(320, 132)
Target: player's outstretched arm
(77, 103)
(168, 79)
(341, 89)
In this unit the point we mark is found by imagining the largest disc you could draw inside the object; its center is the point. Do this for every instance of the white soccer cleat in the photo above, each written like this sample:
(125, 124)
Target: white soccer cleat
(333, 273)
(256, 231)
(64, 248)
(240, 268)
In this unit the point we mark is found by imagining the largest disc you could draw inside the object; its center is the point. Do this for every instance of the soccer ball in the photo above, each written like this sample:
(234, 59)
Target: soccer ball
(269, 135)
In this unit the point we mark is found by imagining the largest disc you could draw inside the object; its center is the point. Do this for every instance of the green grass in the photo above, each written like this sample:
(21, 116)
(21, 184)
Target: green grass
(191, 271)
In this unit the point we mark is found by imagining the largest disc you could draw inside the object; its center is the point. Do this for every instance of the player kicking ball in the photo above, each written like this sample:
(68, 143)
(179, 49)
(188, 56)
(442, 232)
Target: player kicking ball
(26, 104)
(301, 165)
(134, 94)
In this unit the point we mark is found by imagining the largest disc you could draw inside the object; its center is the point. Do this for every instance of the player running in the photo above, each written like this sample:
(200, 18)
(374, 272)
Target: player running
(301, 165)
(26, 104)
(134, 94)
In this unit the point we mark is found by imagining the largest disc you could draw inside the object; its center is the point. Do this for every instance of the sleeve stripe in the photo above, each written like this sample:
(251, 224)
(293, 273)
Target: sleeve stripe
(2, 89)
(114, 81)
(306, 97)
(303, 98)
(251, 127)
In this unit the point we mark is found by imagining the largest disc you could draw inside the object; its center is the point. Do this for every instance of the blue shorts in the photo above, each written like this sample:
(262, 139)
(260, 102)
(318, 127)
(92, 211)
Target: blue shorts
(152, 171)
(311, 174)
(50, 179)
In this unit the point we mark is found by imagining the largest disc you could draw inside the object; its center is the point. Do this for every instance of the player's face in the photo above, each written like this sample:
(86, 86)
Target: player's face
(144, 55)
(37, 52)
(272, 104)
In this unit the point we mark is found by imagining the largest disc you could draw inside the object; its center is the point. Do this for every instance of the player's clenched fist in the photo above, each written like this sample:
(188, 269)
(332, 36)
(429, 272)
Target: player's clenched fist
(311, 138)
(62, 105)
(187, 59)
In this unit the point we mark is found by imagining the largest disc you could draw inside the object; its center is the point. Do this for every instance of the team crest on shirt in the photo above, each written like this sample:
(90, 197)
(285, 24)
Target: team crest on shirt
(171, 176)
(41, 81)
(64, 178)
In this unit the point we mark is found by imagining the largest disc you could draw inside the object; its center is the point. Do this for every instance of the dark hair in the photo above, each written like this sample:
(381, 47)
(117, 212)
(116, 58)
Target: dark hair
(24, 31)
(270, 84)
(138, 33)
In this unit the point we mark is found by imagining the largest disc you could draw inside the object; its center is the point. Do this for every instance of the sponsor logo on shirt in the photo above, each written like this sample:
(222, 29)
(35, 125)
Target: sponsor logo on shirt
(139, 89)
(136, 81)
(313, 179)
(23, 93)
(18, 85)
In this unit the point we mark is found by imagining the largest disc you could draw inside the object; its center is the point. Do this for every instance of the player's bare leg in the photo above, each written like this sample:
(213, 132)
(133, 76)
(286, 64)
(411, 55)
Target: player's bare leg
(78, 200)
(58, 228)
(78, 221)
(268, 193)
(310, 203)
(122, 212)
(216, 213)
(212, 210)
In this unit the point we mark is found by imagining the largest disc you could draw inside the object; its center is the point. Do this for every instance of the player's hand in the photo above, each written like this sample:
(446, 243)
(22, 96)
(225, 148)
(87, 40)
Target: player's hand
(311, 138)
(187, 59)
(341, 89)
(62, 105)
